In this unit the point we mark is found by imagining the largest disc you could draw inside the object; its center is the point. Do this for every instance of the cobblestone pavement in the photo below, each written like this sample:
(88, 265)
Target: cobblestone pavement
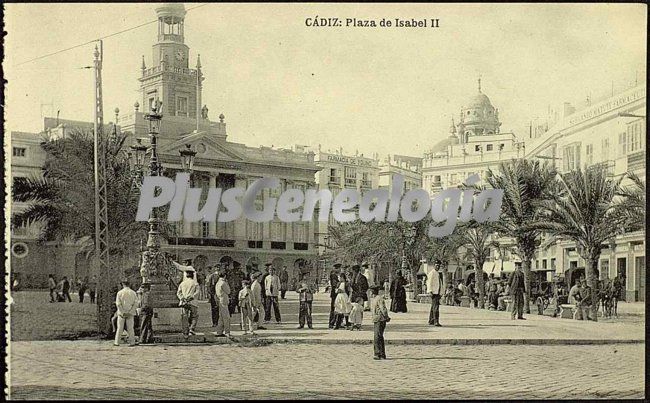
(97, 370)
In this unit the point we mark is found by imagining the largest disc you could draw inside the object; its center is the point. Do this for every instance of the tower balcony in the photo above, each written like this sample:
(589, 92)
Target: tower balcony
(170, 37)
(153, 71)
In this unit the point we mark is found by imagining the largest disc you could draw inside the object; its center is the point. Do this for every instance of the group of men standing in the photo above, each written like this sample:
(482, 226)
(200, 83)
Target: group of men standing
(266, 288)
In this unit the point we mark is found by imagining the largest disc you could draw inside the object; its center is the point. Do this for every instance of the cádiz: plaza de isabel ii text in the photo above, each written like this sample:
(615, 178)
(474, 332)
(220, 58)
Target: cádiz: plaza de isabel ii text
(397, 23)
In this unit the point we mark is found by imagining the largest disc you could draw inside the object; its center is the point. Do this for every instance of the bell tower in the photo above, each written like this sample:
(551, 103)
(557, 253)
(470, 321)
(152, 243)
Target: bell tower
(170, 79)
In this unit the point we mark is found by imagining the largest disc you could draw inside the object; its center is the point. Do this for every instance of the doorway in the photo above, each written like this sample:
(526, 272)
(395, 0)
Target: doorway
(621, 268)
(639, 265)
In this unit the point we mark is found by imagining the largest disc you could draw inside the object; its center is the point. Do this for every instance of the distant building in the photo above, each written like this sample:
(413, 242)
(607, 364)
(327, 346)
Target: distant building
(473, 145)
(409, 167)
(338, 171)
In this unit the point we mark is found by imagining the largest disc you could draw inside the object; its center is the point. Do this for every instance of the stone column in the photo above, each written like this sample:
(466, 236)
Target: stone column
(213, 225)
(241, 181)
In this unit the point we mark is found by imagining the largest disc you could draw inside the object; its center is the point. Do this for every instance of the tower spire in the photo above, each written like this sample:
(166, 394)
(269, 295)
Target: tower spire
(479, 83)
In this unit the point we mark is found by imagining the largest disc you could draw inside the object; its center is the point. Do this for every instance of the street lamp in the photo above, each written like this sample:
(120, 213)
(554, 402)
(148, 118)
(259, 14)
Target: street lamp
(136, 159)
(153, 269)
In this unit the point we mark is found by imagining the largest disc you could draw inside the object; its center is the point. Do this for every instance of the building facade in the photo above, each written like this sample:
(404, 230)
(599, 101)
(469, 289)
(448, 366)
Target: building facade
(409, 167)
(219, 162)
(473, 145)
(610, 133)
(337, 171)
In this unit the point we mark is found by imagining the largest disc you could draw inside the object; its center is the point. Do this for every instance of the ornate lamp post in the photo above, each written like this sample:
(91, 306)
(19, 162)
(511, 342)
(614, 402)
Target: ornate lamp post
(154, 268)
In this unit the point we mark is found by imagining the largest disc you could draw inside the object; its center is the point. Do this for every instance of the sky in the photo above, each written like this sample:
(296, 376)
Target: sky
(279, 82)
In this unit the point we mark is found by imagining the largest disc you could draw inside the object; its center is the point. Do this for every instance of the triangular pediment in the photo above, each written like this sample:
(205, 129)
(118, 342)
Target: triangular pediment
(205, 146)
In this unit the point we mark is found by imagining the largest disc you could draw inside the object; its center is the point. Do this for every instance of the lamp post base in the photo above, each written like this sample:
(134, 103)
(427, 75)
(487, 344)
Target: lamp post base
(162, 296)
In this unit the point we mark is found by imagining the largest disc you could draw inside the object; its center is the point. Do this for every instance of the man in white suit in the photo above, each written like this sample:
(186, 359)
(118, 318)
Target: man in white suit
(434, 287)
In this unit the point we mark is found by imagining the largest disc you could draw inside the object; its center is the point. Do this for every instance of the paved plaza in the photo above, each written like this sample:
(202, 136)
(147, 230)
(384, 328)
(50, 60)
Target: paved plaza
(94, 370)
(471, 356)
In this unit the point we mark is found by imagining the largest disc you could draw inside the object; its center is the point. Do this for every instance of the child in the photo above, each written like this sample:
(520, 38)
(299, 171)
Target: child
(356, 314)
(306, 298)
(245, 307)
(379, 318)
(342, 304)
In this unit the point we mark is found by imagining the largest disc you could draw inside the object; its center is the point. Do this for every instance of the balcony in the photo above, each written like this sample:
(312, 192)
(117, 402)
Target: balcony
(366, 184)
(636, 161)
(350, 183)
(170, 37)
(335, 179)
(168, 69)
(222, 243)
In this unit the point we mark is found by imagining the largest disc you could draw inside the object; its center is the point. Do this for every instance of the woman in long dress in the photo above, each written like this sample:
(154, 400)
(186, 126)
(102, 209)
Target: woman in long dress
(398, 294)
(342, 304)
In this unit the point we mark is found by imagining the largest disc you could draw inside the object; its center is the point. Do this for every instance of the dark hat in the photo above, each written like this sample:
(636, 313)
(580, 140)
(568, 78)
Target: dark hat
(268, 264)
(255, 275)
(187, 261)
(356, 267)
(374, 287)
(337, 265)
(365, 264)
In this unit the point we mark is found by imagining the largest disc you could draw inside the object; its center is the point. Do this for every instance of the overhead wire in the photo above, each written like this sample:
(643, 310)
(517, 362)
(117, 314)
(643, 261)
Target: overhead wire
(100, 38)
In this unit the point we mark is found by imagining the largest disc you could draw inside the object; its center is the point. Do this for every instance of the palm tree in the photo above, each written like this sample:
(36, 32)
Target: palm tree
(63, 201)
(445, 250)
(585, 211)
(476, 239)
(633, 203)
(524, 183)
(382, 242)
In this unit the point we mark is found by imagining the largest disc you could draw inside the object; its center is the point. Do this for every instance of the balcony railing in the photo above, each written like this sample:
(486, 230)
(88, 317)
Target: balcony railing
(366, 184)
(168, 69)
(335, 179)
(350, 182)
(636, 160)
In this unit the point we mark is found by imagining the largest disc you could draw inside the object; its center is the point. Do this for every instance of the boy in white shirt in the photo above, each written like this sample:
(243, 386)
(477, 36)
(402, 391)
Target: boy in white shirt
(245, 307)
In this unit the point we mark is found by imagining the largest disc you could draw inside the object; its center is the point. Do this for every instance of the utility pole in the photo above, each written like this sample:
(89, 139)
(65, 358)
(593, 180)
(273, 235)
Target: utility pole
(101, 212)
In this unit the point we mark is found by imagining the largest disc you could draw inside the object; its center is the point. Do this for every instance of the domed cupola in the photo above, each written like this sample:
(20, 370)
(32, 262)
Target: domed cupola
(478, 116)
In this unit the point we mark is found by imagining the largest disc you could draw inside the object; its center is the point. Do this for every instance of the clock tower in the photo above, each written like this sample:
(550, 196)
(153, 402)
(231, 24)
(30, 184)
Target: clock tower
(170, 79)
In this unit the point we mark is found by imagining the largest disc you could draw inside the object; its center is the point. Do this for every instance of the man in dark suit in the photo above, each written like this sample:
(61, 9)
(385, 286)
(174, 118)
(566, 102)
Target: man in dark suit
(517, 289)
(334, 283)
(359, 284)
(211, 283)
